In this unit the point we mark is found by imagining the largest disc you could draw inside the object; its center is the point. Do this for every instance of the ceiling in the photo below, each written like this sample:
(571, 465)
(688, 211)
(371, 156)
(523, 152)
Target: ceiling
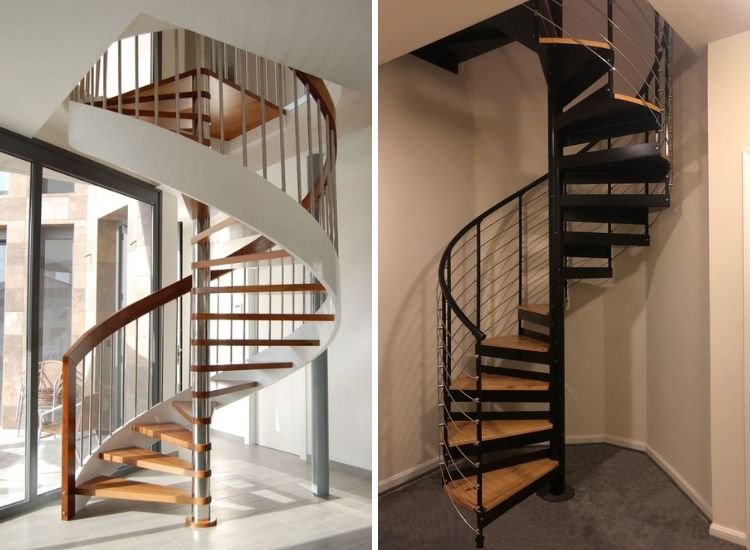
(407, 25)
(404, 26)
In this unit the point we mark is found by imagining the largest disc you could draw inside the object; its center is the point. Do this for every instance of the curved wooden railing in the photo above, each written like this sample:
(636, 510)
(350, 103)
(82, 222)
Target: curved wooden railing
(217, 107)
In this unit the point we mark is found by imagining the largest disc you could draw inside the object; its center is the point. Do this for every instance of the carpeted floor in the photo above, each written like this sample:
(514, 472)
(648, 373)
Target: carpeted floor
(623, 501)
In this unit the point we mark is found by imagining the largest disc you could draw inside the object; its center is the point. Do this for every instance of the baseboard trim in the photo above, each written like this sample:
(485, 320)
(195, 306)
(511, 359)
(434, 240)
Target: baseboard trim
(728, 534)
(406, 476)
(680, 481)
(718, 531)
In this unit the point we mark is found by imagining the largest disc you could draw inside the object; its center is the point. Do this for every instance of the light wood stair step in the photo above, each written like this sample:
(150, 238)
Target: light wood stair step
(539, 309)
(248, 289)
(464, 432)
(127, 489)
(185, 408)
(523, 343)
(203, 235)
(224, 391)
(228, 367)
(498, 485)
(499, 382)
(151, 114)
(246, 258)
(263, 316)
(152, 460)
(253, 342)
(171, 432)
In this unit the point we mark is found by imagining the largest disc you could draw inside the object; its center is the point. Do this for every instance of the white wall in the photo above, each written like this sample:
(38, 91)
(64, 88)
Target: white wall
(350, 354)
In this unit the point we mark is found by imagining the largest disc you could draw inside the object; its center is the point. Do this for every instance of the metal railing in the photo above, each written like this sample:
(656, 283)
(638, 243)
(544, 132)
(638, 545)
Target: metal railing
(501, 258)
(277, 121)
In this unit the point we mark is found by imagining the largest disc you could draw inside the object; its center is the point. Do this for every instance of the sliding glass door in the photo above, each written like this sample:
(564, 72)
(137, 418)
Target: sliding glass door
(14, 237)
(78, 242)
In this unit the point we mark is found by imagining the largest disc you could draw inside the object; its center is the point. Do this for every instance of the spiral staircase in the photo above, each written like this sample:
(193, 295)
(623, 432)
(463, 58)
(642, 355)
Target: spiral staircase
(250, 145)
(505, 277)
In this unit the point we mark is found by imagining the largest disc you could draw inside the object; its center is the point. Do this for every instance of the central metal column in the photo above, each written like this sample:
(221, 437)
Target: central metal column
(199, 381)
(319, 391)
(319, 378)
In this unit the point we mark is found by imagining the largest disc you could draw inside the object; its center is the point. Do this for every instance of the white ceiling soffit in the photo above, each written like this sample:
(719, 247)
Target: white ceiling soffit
(699, 22)
(405, 25)
(45, 47)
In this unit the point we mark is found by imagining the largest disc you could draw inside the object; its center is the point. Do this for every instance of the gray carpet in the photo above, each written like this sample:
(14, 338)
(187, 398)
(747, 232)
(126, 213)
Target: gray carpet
(623, 501)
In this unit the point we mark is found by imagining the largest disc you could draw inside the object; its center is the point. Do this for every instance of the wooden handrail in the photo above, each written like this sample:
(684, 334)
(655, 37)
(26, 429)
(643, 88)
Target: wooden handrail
(319, 91)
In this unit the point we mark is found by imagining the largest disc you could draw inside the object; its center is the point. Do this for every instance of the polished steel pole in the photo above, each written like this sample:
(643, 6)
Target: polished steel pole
(199, 381)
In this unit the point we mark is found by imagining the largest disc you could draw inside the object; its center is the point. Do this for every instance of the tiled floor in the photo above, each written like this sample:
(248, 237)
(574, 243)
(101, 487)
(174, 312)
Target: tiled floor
(261, 498)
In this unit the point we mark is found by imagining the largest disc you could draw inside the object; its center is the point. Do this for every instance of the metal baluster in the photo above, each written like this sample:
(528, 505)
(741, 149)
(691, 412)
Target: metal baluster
(99, 395)
(520, 257)
(83, 400)
(111, 383)
(92, 365)
(149, 369)
(296, 138)
(321, 177)
(243, 105)
(122, 375)
(310, 184)
(263, 113)
(104, 83)
(155, 72)
(98, 78)
(119, 76)
(281, 90)
(222, 71)
(135, 370)
(137, 91)
(177, 118)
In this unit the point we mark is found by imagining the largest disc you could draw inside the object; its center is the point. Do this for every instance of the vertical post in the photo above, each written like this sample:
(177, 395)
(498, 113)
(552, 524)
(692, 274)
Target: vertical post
(610, 39)
(319, 389)
(556, 298)
(478, 398)
(520, 257)
(199, 356)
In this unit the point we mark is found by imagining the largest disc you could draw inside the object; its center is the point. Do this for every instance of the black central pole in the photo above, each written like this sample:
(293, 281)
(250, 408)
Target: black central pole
(557, 298)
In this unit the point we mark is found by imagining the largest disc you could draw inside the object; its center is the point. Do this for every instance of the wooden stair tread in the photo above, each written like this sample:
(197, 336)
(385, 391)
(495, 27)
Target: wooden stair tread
(170, 432)
(231, 260)
(574, 42)
(127, 489)
(150, 460)
(263, 316)
(498, 485)
(215, 228)
(499, 382)
(513, 341)
(228, 367)
(224, 391)
(253, 342)
(637, 101)
(539, 309)
(464, 432)
(244, 289)
(185, 408)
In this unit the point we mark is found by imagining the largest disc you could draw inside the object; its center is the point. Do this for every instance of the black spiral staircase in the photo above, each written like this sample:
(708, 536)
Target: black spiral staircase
(504, 278)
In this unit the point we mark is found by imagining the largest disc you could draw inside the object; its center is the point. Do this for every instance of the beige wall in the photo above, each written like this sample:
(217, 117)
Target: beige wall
(425, 183)
(677, 349)
(728, 137)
